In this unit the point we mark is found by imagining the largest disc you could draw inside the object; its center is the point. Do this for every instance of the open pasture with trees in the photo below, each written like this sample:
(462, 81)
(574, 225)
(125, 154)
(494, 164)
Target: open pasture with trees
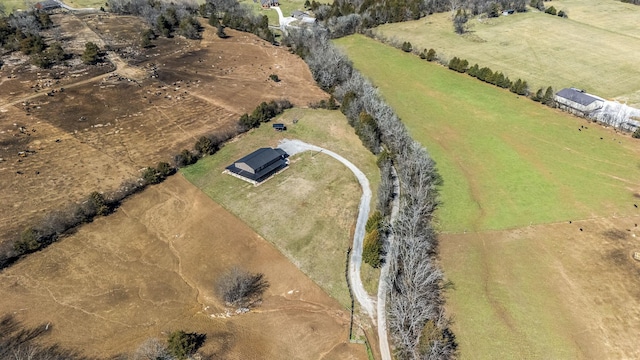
(594, 49)
(152, 267)
(506, 161)
(309, 210)
(561, 278)
(96, 130)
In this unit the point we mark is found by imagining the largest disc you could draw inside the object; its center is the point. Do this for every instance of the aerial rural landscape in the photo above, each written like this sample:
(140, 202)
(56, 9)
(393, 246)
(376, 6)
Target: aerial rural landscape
(304, 180)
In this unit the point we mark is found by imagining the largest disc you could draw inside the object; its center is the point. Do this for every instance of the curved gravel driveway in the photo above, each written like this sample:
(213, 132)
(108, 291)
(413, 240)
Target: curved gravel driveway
(296, 146)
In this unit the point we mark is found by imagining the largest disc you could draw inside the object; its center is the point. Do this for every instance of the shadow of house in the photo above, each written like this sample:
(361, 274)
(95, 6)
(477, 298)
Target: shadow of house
(578, 102)
(260, 165)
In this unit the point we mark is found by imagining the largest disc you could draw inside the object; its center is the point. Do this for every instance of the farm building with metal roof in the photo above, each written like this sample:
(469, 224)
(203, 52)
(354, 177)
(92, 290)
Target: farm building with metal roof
(259, 165)
(577, 101)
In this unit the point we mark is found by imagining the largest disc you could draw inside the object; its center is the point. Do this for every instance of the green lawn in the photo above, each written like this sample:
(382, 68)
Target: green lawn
(596, 48)
(10, 5)
(506, 161)
(308, 211)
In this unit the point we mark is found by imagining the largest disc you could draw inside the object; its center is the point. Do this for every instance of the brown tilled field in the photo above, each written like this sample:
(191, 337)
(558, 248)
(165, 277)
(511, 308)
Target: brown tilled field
(150, 268)
(577, 280)
(99, 126)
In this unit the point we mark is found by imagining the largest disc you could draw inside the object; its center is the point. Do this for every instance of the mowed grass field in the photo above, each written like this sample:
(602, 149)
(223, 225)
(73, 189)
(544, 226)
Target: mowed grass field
(557, 290)
(309, 210)
(596, 48)
(506, 161)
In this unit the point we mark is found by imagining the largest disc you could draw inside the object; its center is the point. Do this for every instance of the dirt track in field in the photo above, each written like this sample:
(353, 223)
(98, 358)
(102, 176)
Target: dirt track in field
(101, 130)
(150, 268)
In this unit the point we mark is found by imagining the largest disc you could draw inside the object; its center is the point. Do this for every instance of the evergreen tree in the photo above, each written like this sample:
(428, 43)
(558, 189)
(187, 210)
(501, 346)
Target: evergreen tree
(431, 55)
(91, 53)
(547, 99)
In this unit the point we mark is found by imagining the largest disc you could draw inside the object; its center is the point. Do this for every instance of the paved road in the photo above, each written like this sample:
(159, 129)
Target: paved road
(384, 275)
(296, 146)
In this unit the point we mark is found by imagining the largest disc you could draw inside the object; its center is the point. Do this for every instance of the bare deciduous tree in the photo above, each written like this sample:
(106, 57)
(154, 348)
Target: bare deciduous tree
(240, 288)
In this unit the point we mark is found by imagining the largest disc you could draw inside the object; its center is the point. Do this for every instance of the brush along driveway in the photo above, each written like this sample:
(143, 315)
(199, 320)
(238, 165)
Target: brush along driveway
(296, 146)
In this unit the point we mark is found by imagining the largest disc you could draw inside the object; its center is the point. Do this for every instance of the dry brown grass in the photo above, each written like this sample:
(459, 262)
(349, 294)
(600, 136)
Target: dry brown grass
(109, 127)
(151, 267)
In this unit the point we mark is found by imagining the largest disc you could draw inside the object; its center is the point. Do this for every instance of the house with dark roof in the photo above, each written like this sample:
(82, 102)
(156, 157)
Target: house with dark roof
(47, 5)
(269, 3)
(577, 101)
(259, 165)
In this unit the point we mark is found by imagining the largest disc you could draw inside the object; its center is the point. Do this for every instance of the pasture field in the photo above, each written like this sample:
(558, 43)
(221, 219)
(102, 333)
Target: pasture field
(112, 121)
(537, 215)
(506, 161)
(546, 291)
(309, 210)
(11, 5)
(594, 49)
(150, 268)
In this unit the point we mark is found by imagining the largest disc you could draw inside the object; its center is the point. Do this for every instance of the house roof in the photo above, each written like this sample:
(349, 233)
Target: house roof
(576, 96)
(47, 4)
(264, 162)
(260, 158)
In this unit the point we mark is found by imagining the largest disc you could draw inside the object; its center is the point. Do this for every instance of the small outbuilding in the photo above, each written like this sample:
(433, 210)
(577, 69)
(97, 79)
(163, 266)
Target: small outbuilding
(279, 127)
(577, 101)
(259, 165)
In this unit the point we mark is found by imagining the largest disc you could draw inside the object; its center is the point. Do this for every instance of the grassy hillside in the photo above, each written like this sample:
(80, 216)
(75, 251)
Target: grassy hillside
(506, 161)
(308, 211)
(595, 48)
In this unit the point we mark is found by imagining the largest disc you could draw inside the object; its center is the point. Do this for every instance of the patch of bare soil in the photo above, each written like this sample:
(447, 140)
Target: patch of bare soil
(580, 276)
(86, 130)
(150, 268)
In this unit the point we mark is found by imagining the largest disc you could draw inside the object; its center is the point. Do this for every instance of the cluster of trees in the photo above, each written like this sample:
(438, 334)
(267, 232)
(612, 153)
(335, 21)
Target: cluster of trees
(494, 8)
(497, 78)
(345, 17)
(263, 113)
(237, 16)
(179, 345)
(552, 11)
(166, 18)
(429, 55)
(635, 2)
(458, 65)
(20, 31)
(418, 325)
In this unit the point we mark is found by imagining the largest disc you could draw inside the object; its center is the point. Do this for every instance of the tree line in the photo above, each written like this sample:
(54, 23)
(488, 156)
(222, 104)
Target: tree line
(20, 31)
(418, 325)
(520, 87)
